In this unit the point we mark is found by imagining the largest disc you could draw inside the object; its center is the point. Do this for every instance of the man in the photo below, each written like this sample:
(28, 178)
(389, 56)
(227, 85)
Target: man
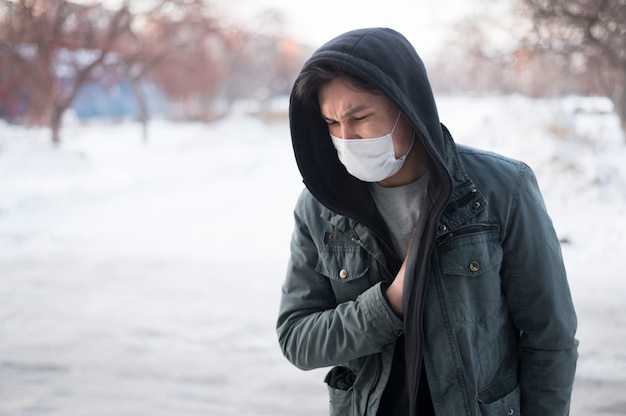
(426, 273)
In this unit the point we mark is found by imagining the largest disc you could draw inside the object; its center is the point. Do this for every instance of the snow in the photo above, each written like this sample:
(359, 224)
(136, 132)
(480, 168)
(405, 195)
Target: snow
(144, 278)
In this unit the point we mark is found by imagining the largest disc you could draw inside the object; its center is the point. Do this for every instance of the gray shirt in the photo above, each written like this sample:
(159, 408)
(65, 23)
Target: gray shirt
(404, 208)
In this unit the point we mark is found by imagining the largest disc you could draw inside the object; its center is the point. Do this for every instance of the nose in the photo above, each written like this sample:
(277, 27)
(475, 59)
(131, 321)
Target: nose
(347, 132)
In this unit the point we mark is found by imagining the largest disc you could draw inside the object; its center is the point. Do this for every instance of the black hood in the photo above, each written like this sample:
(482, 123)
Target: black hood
(385, 59)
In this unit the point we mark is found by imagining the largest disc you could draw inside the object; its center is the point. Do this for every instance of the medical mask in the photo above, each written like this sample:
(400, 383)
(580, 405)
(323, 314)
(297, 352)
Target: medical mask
(370, 160)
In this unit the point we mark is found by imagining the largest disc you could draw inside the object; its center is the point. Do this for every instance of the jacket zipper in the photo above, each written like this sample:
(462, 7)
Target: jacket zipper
(466, 230)
(422, 271)
(429, 234)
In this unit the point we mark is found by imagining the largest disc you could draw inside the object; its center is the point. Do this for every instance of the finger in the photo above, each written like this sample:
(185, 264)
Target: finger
(409, 245)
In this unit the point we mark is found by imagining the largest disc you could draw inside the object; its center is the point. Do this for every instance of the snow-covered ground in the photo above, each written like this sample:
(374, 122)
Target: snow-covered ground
(143, 279)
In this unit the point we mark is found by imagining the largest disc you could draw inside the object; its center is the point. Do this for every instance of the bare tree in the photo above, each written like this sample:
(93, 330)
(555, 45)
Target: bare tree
(169, 40)
(190, 68)
(261, 61)
(58, 46)
(587, 32)
(49, 49)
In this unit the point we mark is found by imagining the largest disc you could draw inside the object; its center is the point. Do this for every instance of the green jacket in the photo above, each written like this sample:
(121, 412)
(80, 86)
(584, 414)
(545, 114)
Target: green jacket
(487, 305)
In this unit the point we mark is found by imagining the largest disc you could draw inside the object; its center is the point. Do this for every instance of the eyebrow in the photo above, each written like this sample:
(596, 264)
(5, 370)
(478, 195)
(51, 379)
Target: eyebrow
(348, 113)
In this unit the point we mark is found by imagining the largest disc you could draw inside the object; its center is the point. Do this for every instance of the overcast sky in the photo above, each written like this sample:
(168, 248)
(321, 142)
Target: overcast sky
(426, 23)
(423, 22)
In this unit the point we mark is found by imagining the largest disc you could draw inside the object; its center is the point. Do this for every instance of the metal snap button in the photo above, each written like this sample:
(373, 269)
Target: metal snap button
(474, 266)
(476, 205)
(442, 227)
(343, 273)
(511, 412)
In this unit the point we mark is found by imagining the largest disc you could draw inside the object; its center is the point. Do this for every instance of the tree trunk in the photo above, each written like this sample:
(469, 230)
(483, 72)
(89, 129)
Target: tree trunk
(55, 123)
(620, 104)
(142, 107)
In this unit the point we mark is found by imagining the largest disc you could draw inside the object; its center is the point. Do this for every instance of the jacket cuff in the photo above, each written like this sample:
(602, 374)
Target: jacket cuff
(379, 313)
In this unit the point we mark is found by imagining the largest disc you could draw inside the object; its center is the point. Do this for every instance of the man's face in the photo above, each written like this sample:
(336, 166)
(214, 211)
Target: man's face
(354, 114)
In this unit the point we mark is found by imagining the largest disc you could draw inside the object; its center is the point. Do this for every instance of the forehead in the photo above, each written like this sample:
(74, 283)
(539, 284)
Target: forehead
(340, 95)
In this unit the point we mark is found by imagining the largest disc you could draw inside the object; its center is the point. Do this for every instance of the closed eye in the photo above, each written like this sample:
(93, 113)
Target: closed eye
(329, 121)
(362, 117)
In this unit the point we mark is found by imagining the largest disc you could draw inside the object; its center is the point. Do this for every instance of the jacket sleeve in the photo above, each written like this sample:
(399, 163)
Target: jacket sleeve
(540, 303)
(313, 330)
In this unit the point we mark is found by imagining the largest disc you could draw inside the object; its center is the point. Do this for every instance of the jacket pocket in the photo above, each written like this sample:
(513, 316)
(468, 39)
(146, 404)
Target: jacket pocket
(470, 268)
(509, 405)
(340, 382)
(343, 263)
(347, 266)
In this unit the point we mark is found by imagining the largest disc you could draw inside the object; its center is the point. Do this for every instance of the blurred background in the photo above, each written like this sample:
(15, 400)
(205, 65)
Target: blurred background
(193, 59)
(147, 185)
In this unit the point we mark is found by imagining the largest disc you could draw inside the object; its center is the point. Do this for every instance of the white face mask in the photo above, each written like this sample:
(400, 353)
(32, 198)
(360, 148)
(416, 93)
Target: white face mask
(370, 160)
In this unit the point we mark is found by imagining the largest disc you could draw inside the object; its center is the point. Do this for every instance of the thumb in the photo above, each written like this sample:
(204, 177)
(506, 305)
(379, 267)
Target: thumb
(409, 245)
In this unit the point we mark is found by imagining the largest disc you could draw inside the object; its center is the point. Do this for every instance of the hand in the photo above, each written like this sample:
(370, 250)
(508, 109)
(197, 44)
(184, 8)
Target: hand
(395, 290)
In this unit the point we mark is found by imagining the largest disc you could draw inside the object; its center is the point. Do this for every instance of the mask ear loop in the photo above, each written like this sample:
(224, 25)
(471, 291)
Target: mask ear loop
(396, 123)
(410, 147)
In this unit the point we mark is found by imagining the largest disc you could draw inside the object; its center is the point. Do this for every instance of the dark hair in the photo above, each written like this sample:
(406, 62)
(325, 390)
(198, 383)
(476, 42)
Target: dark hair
(314, 75)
